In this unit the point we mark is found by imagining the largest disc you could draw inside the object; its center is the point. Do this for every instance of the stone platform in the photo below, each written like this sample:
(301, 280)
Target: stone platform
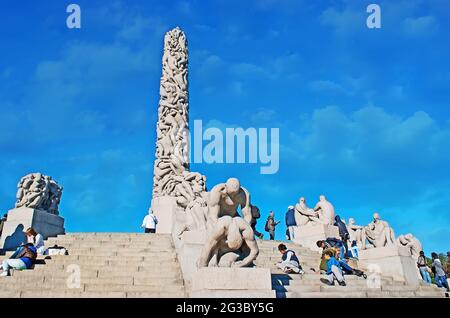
(220, 282)
(394, 261)
(48, 225)
(308, 235)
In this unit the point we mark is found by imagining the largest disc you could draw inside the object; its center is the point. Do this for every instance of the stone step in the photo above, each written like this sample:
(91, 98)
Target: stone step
(117, 266)
(122, 253)
(303, 288)
(353, 283)
(109, 245)
(102, 274)
(125, 240)
(167, 257)
(326, 295)
(278, 258)
(169, 287)
(53, 281)
(116, 235)
(135, 288)
(429, 294)
(74, 294)
(310, 276)
(390, 294)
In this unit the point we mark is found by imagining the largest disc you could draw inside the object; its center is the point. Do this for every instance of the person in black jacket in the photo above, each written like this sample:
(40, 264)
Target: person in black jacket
(343, 232)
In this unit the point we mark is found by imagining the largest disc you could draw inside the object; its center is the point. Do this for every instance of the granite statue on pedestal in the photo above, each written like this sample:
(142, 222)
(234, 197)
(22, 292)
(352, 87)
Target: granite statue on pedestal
(37, 206)
(39, 192)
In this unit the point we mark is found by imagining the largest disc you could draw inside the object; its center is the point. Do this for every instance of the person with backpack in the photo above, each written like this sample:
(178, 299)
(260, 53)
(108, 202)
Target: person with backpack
(440, 276)
(270, 225)
(343, 233)
(289, 261)
(23, 258)
(255, 216)
(290, 222)
(149, 223)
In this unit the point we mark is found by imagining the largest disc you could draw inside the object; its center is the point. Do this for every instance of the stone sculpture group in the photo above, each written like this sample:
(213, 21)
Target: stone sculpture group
(323, 212)
(40, 192)
(377, 233)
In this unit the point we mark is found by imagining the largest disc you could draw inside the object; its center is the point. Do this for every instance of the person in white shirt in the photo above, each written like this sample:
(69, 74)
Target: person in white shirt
(149, 222)
(36, 239)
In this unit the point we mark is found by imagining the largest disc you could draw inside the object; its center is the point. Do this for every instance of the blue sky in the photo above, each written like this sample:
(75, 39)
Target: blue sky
(364, 115)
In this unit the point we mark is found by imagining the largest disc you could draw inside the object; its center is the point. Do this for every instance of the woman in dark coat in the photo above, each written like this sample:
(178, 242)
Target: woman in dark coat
(343, 232)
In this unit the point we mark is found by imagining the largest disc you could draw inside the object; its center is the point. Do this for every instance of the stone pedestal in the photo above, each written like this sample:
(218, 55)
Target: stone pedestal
(20, 219)
(164, 209)
(308, 235)
(219, 282)
(189, 247)
(394, 261)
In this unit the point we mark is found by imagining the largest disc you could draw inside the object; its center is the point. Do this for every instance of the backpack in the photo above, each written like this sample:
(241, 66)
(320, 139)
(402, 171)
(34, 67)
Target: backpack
(154, 219)
(266, 227)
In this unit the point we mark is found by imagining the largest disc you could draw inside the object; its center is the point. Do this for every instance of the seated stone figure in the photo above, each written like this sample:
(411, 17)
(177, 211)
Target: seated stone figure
(378, 233)
(325, 210)
(305, 215)
(411, 242)
(231, 243)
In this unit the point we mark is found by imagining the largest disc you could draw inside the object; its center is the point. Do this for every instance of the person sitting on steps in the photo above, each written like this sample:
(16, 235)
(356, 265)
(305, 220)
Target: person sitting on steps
(332, 242)
(333, 270)
(289, 261)
(36, 239)
(23, 258)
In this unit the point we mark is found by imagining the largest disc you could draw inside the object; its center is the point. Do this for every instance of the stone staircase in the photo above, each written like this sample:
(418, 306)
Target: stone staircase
(119, 265)
(115, 265)
(310, 286)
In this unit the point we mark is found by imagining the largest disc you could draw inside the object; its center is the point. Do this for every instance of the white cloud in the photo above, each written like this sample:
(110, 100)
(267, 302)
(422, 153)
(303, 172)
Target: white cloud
(327, 86)
(262, 115)
(420, 26)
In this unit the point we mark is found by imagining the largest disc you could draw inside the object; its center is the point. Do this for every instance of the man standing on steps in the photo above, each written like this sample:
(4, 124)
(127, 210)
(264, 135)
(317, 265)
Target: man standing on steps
(149, 222)
(270, 225)
(290, 222)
